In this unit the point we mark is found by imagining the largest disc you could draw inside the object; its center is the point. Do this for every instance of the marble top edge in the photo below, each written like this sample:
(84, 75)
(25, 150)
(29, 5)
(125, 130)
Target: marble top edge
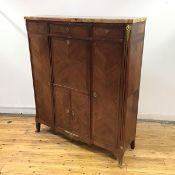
(98, 19)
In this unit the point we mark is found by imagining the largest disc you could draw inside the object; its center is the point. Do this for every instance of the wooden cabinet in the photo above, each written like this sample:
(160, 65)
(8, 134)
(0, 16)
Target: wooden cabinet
(86, 75)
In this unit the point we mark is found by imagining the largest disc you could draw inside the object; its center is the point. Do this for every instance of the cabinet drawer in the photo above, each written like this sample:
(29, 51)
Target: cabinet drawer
(37, 27)
(78, 30)
(108, 31)
(59, 29)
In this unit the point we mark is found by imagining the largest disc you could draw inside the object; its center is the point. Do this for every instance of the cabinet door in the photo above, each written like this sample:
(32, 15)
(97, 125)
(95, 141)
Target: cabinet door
(71, 79)
(81, 115)
(62, 109)
(80, 84)
(42, 77)
(70, 63)
(106, 76)
(61, 63)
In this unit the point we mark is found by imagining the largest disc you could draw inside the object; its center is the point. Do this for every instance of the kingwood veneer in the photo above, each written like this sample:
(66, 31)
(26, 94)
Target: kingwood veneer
(86, 75)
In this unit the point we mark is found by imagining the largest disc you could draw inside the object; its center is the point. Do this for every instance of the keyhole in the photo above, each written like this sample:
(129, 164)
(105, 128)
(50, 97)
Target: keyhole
(67, 29)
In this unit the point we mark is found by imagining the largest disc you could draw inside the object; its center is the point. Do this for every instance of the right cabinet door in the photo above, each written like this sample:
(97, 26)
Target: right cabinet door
(106, 77)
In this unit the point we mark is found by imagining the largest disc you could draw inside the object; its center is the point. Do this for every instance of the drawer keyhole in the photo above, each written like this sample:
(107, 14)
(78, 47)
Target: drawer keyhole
(67, 29)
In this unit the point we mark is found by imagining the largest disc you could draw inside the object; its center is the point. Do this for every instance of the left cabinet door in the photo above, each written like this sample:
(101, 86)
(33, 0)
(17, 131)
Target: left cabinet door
(71, 80)
(41, 71)
(62, 104)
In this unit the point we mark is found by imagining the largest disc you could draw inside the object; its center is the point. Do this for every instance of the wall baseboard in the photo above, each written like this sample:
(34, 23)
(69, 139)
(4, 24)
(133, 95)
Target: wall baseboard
(165, 117)
(32, 111)
(18, 110)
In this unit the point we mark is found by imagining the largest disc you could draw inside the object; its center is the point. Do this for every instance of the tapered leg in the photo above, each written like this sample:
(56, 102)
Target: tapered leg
(38, 126)
(120, 158)
(120, 162)
(132, 144)
(119, 155)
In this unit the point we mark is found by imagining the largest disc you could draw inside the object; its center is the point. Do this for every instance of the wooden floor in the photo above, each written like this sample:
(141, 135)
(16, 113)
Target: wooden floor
(22, 151)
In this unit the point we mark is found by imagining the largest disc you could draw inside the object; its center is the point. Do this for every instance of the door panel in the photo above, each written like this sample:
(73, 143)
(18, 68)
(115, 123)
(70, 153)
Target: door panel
(62, 108)
(71, 63)
(79, 70)
(42, 77)
(81, 115)
(71, 84)
(106, 76)
(60, 61)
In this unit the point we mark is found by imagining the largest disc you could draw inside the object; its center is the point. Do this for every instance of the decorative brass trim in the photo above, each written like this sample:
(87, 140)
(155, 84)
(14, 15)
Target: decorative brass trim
(128, 30)
(71, 134)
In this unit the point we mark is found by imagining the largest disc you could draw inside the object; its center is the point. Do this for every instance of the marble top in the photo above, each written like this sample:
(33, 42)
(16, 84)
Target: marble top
(98, 19)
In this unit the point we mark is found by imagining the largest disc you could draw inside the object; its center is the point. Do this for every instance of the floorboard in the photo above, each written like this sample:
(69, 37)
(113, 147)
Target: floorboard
(24, 152)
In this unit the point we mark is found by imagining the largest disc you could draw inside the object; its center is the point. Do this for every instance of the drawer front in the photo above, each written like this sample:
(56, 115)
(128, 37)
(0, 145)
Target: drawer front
(59, 29)
(76, 30)
(37, 27)
(80, 30)
(108, 31)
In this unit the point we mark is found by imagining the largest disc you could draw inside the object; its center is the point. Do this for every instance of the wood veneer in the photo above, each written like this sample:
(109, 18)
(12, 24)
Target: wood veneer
(86, 77)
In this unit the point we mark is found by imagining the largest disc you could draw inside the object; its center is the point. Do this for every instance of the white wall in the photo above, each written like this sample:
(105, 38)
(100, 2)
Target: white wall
(157, 96)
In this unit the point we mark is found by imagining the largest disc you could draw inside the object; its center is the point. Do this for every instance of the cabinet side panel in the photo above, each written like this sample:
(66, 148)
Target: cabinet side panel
(40, 61)
(135, 50)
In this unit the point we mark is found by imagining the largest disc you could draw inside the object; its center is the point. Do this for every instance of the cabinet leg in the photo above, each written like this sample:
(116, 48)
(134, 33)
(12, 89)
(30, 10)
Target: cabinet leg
(38, 126)
(120, 162)
(132, 144)
(120, 159)
(119, 155)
